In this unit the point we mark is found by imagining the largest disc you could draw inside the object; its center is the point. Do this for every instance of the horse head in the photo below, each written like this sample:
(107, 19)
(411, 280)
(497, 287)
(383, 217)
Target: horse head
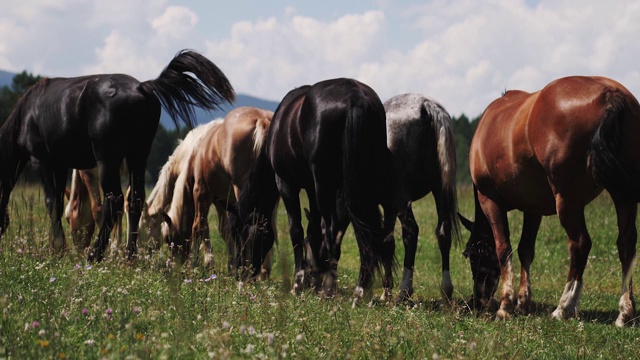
(481, 252)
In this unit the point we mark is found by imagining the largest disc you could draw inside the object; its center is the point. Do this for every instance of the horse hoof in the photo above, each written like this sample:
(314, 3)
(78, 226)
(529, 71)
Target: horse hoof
(557, 314)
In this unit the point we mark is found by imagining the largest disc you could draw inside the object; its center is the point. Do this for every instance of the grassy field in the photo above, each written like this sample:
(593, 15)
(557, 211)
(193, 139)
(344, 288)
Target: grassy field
(65, 308)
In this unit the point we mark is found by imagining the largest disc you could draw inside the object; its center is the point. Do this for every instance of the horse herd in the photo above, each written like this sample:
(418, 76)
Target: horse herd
(360, 161)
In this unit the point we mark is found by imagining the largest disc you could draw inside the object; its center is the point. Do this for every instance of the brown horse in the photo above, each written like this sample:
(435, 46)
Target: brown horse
(215, 175)
(84, 209)
(553, 151)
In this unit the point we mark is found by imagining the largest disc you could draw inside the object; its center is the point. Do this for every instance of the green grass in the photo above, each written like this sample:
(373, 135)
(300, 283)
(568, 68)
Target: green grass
(63, 307)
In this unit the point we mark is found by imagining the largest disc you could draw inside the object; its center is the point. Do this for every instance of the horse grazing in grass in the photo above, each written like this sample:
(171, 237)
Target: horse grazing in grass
(101, 120)
(553, 151)
(420, 138)
(159, 201)
(84, 209)
(330, 140)
(215, 174)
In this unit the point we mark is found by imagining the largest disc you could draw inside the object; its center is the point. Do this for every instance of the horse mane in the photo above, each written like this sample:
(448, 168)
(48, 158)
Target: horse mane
(161, 196)
(12, 123)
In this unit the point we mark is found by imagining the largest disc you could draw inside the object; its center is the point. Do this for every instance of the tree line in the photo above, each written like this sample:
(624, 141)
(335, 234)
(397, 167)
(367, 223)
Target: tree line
(166, 140)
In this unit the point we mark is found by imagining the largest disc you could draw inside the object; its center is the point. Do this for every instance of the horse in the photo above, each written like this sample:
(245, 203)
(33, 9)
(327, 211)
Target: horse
(214, 173)
(330, 140)
(101, 120)
(420, 137)
(84, 208)
(547, 152)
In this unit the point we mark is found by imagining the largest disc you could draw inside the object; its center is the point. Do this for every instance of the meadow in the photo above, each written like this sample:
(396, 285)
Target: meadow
(66, 308)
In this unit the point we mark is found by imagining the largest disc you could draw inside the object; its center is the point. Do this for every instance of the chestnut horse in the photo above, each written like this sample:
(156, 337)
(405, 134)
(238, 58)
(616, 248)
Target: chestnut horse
(215, 174)
(101, 120)
(553, 151)
(84, 209)
(330, 140)
(420, 138)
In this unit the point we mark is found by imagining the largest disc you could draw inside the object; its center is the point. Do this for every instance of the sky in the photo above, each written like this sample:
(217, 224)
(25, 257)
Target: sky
(463, 53)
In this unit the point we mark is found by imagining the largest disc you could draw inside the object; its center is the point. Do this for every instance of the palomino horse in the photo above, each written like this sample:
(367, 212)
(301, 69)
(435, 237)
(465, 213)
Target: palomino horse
(215, 174)
(159, 201)
(420, 138)
(553, 151)
(84, 209)
(101, 120)
(329, 139)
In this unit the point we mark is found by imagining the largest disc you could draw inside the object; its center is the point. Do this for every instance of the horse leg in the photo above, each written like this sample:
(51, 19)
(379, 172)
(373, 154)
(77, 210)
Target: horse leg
(54, 181)
(388, 251)
(627, 238)
(200, 228)
(572, 220)
(443, 234)
(291, 200)
(526, 253)
(113, 203)
(500, 227)
(410, 232)
(135, 201)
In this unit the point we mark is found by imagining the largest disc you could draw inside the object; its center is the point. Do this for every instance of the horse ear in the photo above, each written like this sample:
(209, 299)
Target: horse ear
(468, 224)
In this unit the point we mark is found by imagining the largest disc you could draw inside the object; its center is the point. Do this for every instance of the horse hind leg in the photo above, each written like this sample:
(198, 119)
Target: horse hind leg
(626, 242)
(572, 220)
(526, 253)
(410, 232)
(54, 181)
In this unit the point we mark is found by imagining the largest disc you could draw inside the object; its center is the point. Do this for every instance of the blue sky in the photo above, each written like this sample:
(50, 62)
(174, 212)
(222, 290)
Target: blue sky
(463, 53)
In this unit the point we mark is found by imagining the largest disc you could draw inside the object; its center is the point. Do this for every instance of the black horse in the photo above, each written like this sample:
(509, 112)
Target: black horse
(330, 140)
(101, 120)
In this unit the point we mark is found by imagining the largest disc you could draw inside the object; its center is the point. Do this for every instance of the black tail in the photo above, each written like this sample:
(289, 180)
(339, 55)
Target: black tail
(190, 80)
(607, 158)
(364, 155)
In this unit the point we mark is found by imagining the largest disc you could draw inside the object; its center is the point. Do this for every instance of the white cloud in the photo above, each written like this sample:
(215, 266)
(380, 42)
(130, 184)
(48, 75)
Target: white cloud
(463, 53)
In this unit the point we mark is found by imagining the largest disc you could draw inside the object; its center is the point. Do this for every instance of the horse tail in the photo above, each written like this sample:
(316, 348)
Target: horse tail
(606, 159)
(446, 151)
(259, 135)
(364, 145)
(190, 80)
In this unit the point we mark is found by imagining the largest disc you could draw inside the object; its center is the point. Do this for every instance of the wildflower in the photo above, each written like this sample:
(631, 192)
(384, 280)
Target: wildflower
(26, 327)
(89, 267)
(108, 311)
(139, 336)
(111, 336)
(42, 332)
(19, 251)
(35, 324)
(188, 281)
(243, 329)
(64, 314)
(85, 311)
(251, 330)
(249, 349)
(270, 339)
(76, 266)
(225, 324)
(212, 277)
(52, 279)
(299, 337)
(62, 356)
(137, 310)
(43, 343)
(89, 342)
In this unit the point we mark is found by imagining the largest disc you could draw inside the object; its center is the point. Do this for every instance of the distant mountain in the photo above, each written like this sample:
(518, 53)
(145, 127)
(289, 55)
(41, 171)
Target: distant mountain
(204, 116)
(6, 78)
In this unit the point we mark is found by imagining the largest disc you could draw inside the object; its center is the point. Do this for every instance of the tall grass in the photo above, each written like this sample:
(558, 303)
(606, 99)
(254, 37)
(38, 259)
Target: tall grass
(65, 308)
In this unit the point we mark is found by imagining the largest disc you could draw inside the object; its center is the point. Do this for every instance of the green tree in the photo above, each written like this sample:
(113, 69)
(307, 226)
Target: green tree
(463, 131)
(10, 95)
